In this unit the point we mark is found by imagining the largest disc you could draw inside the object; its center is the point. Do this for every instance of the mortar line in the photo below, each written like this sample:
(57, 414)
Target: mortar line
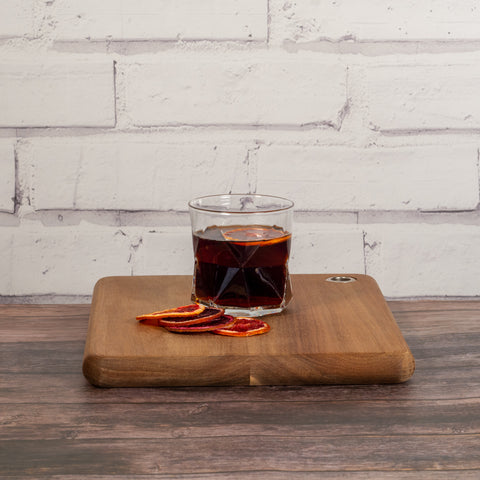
(356, 218)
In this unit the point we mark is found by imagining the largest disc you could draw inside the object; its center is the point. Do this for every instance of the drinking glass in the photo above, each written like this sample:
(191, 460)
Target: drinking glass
(241, 244)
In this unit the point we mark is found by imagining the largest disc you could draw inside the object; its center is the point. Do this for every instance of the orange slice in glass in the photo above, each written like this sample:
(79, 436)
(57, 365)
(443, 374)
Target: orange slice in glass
(244, 327)
(255, 235)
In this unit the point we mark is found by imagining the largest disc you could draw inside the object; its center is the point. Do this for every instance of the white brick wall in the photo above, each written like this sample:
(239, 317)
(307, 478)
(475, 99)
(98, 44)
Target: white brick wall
(409, 97)
(16, 18)
(7, 174)
(6, 246)
(62, 260)
(377, 20)
(310, 244)
(430, 258)
(114, 114)
(342, 178)
(139, 174)
(221, 89)
(52, 94)
(164, 20)
(150, 258)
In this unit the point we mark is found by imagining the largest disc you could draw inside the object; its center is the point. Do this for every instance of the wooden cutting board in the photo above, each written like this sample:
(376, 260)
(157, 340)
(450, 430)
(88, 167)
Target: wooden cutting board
(331, 333)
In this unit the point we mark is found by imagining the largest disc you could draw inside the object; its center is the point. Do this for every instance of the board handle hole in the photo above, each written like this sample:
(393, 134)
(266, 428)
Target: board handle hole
(341, 279)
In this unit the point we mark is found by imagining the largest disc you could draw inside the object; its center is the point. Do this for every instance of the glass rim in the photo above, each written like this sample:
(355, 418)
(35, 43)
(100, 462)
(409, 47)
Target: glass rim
(286, 204)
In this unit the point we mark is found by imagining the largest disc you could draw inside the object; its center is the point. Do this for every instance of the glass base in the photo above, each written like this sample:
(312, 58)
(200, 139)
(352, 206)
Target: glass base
(252, 312)
(242, 311)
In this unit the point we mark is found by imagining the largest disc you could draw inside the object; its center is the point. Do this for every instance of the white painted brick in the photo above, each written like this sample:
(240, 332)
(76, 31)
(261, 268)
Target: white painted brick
(161, 19)
(424, 260)
(213, 89)
(326, 248)
(341, 178)
(16, 18)
(57, 94)
(408, 97)
(7, 176)
(364, 20)
(66, 260)
(6, 246)
(141, 174)
(165, 251)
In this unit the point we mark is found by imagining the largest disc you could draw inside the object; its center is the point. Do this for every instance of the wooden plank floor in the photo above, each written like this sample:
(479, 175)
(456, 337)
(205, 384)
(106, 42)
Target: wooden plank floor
(55, 425)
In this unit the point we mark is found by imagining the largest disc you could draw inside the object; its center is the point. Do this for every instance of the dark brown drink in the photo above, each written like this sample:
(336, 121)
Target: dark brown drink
(242, 266)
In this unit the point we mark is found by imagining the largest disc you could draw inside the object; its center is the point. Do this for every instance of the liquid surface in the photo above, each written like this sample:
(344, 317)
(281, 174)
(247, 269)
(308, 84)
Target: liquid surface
(242, 266)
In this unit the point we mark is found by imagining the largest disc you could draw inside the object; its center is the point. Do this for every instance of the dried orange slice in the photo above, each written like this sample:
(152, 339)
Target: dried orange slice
(244, 327)
(221, 322)
(207, 315)
(182, 312)
(254, 235)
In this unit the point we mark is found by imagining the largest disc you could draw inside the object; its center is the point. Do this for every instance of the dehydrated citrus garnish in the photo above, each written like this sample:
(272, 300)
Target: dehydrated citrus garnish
(244, 327)
(197, 318)
(221, 322)
(207, 315)
(254, 235)
(182, 312)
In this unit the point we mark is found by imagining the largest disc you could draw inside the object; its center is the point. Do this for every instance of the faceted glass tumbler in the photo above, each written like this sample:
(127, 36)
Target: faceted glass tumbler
(241, 244)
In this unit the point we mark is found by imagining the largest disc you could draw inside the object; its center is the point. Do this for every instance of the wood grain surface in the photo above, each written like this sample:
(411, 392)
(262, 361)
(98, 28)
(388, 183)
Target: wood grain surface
(55, 425)
(330, 333)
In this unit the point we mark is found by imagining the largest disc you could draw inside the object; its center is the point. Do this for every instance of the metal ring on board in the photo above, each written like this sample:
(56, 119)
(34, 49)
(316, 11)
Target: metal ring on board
(341, 279)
